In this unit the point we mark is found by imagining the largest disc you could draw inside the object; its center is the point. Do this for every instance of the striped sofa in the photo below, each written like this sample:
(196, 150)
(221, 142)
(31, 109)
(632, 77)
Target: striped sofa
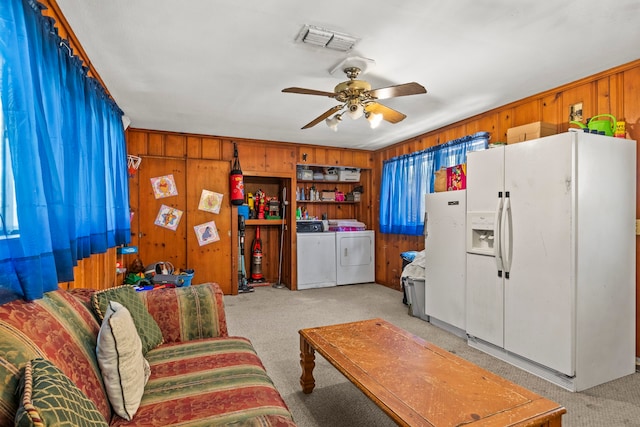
(200, 376)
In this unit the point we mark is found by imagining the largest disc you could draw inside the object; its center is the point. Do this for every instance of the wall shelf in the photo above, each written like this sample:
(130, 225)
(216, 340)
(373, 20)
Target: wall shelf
(330, 202)
(263, 222)
(325, 181)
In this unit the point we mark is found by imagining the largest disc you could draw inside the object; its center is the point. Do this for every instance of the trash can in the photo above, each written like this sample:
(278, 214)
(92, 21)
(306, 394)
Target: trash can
(407, 295)
(415, 290)
(407, 258)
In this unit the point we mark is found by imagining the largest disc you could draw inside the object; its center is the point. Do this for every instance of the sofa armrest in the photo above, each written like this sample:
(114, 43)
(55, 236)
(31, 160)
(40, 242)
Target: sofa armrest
(188, 313)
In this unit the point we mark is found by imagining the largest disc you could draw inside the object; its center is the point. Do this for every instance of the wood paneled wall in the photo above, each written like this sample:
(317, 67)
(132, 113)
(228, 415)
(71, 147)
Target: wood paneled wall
(266, 165)
(96, 272)
(616, 92)
(258, 159)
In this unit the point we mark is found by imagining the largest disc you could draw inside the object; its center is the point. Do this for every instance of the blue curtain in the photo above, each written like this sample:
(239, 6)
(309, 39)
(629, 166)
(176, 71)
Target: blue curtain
(406, 179)
(64, 162)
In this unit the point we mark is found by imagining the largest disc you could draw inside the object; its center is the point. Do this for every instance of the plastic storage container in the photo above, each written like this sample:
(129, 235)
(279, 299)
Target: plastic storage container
(304, 174)
(407, 258)
(350, 175)
(415, 297)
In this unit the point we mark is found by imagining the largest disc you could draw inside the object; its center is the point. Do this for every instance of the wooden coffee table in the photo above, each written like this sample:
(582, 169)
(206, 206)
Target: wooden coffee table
(419, 384)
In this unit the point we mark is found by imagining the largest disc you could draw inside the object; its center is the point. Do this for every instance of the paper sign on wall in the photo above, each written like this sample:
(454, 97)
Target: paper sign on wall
(168, 217)
(210, 201)
(206, 233)
(164, 186)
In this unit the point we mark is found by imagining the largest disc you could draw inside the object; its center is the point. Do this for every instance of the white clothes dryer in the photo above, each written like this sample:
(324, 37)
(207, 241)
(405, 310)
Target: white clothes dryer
(355, 257)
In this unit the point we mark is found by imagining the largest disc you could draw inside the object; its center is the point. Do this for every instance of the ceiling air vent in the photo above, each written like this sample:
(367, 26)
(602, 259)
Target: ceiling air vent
(329, 39)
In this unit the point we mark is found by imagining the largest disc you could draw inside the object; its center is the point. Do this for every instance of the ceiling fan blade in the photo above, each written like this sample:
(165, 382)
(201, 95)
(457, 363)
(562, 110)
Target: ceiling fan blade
(304, 91)
(405, 89)
(389, 114)
(322, 116)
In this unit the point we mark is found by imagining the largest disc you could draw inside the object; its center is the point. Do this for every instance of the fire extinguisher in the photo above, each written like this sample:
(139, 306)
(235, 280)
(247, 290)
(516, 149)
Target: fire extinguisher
(236, 180)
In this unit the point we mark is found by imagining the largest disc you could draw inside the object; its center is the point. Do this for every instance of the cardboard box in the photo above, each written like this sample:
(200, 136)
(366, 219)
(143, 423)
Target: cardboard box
(328, 196)
(440, 180)
(530, 131)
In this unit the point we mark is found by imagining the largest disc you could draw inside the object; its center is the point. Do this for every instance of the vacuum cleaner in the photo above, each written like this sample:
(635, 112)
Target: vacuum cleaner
(243, 287)
(256, 259)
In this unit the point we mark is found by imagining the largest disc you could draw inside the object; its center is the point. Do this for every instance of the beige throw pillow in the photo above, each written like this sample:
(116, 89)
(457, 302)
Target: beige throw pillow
(125, 371)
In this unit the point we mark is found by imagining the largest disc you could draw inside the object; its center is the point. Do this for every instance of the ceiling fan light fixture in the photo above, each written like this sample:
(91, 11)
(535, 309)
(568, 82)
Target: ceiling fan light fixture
(374, 119)
(333, 122)
(356, 111)
(358, 99)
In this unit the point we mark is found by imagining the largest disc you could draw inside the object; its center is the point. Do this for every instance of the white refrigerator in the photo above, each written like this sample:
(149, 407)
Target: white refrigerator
(551, 256)
(445, 261)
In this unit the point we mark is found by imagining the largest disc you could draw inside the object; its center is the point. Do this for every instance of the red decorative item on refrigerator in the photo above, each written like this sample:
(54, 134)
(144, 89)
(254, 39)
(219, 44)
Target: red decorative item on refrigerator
(236, 180)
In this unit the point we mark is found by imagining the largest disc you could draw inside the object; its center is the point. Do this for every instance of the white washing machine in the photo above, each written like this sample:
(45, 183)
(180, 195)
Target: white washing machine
(316, 260)
(355, 257)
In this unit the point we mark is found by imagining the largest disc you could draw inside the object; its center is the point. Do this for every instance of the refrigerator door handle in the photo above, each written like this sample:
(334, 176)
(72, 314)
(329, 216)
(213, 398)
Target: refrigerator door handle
(506, 236)
(497, 226)
(425, 230)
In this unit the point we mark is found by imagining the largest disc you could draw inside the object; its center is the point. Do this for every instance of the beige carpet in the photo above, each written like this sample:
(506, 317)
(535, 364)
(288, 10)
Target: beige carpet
(271, 318)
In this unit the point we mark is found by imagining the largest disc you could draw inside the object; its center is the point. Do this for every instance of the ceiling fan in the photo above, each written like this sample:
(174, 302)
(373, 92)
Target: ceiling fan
(357, 99)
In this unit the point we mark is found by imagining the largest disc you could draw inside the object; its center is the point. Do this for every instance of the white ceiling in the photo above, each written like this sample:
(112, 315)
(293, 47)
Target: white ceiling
(218, 67)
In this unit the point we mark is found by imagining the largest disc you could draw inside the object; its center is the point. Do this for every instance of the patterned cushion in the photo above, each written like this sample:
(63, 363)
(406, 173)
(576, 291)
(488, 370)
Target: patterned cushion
(48, 397)
(188, 313)
(147, 328)
(57, 328)
(124, 370)
(209, 382)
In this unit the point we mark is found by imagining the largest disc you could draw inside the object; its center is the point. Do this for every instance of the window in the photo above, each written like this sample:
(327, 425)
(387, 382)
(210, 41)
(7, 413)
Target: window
(8, 211)
(406, 179)
(63, 135)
